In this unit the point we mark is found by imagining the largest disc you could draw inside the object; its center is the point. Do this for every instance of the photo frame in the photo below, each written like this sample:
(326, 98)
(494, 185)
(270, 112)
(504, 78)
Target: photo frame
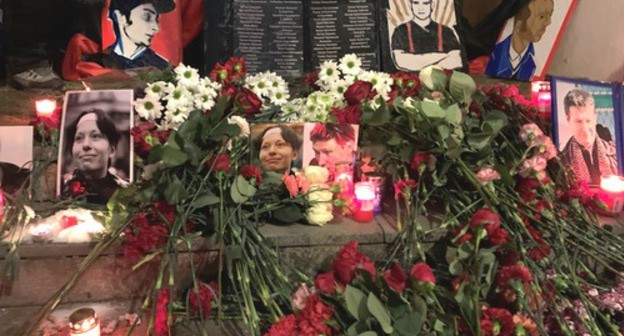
(277, 147)
(539, 36)
(16, 155)
(96, 153)
(587, 127)
(419, 33)
(328, 144)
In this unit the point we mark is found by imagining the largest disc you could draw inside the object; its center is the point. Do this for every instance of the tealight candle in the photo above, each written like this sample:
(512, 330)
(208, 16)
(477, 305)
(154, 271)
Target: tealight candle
(365, 202)
(541, 97)
(41, 232)
(45, 107)
(84, 322)
(612, 194)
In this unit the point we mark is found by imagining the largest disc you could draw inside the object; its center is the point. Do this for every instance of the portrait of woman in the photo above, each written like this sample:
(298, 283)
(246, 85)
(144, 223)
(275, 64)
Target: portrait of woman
(95, 157)
(278, 147)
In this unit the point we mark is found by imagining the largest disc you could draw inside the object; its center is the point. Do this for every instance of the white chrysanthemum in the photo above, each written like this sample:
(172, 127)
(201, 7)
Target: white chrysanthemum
(279, 98)
(292, 109)
(350, 64)
(179, 99)
(338, 88)
(260, 84)
(160, 89)
(175, 118)
(205, 97)
(186, 75)
(149, 107)
(328, 72)
(242, 124)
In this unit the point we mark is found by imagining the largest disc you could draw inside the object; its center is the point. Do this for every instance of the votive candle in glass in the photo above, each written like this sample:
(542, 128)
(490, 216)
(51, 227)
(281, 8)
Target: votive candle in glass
(365, 202)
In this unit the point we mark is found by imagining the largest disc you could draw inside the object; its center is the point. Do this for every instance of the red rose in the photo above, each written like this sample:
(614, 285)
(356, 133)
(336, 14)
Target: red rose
(348, 115)
(326, 283)
(513, 272)
(395, 278)
(286, 326)
(248, 102)
(250, 171)
(423, 273)
(161, 319)
(76, 188)
(201, 300)
(348, 260)
(358, 91)
(219, 163)
(486, 217)
(229, 90)
(418, 160)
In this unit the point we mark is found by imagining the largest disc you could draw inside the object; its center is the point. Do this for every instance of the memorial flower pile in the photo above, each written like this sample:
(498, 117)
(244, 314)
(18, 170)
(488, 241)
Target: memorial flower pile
(492, 240)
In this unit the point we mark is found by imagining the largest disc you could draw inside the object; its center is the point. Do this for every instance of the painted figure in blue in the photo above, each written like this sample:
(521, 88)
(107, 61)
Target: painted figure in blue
(513, 57)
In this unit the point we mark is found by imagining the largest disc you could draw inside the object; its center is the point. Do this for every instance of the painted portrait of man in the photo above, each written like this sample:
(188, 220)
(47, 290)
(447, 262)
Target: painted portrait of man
(422, 34)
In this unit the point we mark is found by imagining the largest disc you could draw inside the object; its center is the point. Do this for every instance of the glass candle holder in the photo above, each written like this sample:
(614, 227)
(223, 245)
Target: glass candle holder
(344, 177)
(365, 202)
(377, 179)
(84, 322)
(612, 193)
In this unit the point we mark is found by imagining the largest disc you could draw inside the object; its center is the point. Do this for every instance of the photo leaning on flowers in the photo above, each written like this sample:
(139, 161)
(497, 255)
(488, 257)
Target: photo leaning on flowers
(493, 236)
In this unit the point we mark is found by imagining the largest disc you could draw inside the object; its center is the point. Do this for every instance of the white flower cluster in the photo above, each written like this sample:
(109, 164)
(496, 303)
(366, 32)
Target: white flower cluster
(268, 86)
(171, 104)
(319, 196)
(334, 80)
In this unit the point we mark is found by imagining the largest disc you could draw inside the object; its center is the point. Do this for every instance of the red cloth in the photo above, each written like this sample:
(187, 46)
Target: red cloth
(478, 65)
(177, 29)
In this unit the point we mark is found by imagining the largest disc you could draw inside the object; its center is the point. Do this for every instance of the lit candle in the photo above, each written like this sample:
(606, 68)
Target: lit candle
(84, 322)
(612, 194)
(45, 107)
(41, 233)
(365, 201)
(541, 97)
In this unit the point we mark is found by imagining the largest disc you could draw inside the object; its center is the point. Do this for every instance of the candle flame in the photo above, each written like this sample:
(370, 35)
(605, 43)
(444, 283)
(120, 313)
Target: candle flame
(45, 107)
(613, 183)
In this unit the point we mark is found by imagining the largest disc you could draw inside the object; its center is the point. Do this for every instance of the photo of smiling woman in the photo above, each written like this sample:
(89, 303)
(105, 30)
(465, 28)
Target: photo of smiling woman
(96, 155)
(278, 146)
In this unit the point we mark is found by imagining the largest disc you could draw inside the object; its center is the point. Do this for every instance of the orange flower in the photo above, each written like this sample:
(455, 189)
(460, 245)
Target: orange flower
(290, 182)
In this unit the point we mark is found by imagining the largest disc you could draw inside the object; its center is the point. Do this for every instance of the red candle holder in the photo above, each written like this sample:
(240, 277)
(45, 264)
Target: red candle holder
(364, 201)
(542, 98)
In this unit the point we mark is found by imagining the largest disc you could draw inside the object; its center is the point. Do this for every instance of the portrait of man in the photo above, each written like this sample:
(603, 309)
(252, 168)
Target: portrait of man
(591, 151)
(95, 157)
(328, 144)
(418, 39)
(135, 23)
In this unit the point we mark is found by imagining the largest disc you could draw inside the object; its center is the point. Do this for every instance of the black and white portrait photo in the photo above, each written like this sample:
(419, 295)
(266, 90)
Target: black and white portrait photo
(422, 33)
(95, 154)
(16, 154)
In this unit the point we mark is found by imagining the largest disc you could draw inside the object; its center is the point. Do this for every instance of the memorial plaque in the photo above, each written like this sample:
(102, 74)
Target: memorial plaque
(339, 27)
(269, 35)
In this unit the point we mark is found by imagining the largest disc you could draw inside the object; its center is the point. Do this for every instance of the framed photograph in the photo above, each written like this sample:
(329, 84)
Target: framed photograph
(16, 155)
(96, 152)
(328, 144)
(419, 33)
(587, 127)
(528, 41)
(277, 147)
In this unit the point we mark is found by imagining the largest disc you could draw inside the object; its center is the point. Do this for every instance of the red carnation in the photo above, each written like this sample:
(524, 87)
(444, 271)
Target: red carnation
(201, 300)
(76, 188)
(348, 260)
(403, 188)
(513, 272)
(162, 209)
(395, 278)
(250, 171)
(248, 102)
(311, 320)
(423, 273)
(286, 326)
(142, 237)
(542, 250)
(326, 283)
(486, 217)
(348, 115)
(498, 237)
(497, 322)
(161, 319)
(358, 91)
(418, 160)
(219, 163)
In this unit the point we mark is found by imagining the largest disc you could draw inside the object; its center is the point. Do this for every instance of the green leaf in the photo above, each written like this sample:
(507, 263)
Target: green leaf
(494, 122)
(169, 155)
(236, 195)
(462, 87)
(395, 140)
(444, 131)
(244, 187)
(380, 116)
(175, 193)
(289, 213)
(190, 128)
(453, 115)
(411, 322)
(368, 333)
(218, 111)
(224, 128)
(432, 110)
(380, 313)
(456, 267)
(356, 303)
(206, 199)
(479, 141)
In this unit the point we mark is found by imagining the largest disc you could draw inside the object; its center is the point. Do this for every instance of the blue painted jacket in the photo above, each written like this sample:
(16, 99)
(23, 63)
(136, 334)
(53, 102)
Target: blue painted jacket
(500, 65)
